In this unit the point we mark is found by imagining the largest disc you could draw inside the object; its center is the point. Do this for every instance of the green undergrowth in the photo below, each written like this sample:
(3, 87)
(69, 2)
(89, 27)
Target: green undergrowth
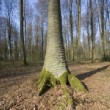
(47, 80)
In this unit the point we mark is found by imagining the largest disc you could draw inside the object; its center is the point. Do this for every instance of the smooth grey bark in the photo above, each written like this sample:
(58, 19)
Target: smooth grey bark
(55, 61)
(55, 70)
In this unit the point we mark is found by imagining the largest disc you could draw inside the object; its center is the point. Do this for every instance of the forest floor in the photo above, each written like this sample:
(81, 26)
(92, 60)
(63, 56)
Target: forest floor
(18, 90)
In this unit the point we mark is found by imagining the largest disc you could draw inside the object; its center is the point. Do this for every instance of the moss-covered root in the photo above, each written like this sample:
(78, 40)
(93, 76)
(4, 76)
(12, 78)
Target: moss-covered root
(69, 99)
(75, 83)
(48, 80)
(45, 81)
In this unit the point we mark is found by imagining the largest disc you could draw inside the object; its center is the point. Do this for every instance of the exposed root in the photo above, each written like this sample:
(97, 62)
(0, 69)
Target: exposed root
(47, 80)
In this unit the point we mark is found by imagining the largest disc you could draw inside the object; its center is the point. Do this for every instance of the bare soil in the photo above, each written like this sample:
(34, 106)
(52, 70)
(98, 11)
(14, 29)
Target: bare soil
(18, 90)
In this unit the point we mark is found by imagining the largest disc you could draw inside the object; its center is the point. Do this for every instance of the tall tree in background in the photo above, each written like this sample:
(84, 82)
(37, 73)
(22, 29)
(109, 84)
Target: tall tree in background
(70, 2)
(102, 27)
(28, 26)
(55, 70)
(42, 11)
(65, 5)
(22, 33)
(37, 38)
(15, 44)
(79, 26)
(92, 30)
(9, 7)
(88, 30)
(73, 23)
(107, 12)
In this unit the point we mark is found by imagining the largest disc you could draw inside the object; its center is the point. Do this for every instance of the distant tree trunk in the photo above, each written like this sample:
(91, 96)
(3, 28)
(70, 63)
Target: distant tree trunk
(107, 10)
(22, 33)
(89, 48)
(88, 33)
(30, 46)
(31, 50)
(99, 23)
(25, 34)
(71, 28)
(106, 37)
(42, 43)
(102, 27)
(37, 42)
(79, 27)
(9, 38)
(5, 56)
(92, 30)
(16, 53)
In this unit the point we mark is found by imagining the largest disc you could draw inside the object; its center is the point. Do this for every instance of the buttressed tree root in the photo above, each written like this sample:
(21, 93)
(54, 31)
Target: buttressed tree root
(47, 80)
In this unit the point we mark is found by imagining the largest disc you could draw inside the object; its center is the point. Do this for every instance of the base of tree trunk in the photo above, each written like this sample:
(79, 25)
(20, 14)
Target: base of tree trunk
(47, 80)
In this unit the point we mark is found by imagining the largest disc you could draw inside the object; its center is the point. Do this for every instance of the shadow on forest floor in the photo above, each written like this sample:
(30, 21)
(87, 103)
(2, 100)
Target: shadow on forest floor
(90, 73)
(12, 70)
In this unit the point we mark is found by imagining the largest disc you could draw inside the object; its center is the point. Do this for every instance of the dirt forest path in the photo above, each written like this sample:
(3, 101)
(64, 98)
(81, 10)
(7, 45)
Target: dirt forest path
(19, 92)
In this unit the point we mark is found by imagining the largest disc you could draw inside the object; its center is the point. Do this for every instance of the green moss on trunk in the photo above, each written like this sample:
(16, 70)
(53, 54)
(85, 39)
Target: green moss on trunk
(63, 78)
(47, 80)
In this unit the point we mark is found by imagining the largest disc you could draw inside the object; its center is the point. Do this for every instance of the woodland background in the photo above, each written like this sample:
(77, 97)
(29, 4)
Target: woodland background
(85, 29)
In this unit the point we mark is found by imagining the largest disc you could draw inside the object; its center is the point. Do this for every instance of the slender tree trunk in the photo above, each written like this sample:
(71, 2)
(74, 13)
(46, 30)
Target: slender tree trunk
(9, 38)
(89, 48)
(37, 41)
(71, 29)
(88, 33)
(42, 52)
(92, 31)
(5, 48)
(99, 22)
(31, 51)
(79, 27)
(16, 49)
(22, 33)
(66, 43)
(25, 34)
(102, 27)
(10, 50)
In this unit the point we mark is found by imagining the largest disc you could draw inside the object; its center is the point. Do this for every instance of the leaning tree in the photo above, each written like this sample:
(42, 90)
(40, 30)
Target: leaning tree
(55, 70)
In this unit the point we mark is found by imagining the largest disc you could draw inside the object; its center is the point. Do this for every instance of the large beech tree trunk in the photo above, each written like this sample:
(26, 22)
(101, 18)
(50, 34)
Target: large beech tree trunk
(55, 70)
